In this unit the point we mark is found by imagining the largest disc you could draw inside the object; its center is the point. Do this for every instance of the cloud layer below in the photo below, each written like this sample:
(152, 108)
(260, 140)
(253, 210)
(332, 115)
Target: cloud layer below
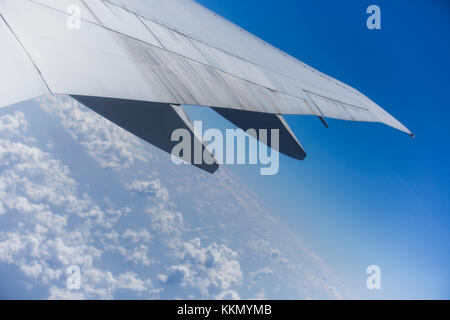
(136, 225)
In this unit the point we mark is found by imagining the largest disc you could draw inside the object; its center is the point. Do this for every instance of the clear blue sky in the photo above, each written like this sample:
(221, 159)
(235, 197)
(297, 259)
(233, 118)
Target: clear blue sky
(366, 194)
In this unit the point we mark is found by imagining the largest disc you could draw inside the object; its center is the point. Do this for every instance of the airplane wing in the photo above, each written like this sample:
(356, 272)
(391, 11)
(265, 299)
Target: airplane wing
(171, 52)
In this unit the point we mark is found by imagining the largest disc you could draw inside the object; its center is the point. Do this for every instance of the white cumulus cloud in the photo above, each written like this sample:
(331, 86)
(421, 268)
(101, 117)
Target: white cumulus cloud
(215, 267)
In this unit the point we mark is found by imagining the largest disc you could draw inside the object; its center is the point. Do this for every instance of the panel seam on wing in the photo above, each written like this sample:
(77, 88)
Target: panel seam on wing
(170, 27)
(180, 55)
(26, 52)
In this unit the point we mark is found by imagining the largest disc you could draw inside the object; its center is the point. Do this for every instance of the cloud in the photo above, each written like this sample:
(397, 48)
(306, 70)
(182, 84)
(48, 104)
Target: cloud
(227, 295)
(208, 269)
(31, 176)
(11, 243)
(11, 125)
(32, 271)
(138, 255)
(135, 236)
(165, 221)
(39, 196)
(110, 145)
(130, 281)
(262, 273)
(152, 188)
(100, 284)
(64, 294)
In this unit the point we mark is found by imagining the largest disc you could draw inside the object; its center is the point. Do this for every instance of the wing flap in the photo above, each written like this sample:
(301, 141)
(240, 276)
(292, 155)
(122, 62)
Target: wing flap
(288, 143)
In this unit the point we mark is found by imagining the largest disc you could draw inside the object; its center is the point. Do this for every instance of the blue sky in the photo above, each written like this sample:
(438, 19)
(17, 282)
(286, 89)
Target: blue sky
(77, 190)
(366, 194)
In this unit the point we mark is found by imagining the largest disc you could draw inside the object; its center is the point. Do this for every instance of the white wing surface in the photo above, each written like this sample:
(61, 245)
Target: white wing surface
(172, 52)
